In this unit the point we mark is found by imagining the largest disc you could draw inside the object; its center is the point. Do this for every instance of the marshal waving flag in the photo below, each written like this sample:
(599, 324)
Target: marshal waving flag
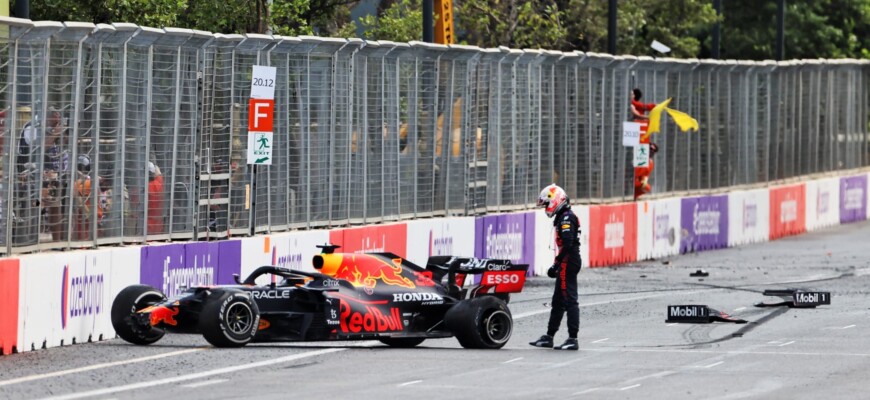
(683, 120)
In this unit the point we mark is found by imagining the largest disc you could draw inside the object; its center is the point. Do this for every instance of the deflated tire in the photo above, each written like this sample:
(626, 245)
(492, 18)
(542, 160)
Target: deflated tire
(480, 323)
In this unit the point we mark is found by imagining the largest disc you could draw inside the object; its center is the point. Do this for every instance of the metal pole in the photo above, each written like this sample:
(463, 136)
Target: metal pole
(429, 21)
(717, 34)
(611, 27)
(21, 9)
(780, 27)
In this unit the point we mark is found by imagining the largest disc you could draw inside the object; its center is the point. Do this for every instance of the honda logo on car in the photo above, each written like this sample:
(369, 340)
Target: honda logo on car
(370, 319)
(81, 295)
(427, 298)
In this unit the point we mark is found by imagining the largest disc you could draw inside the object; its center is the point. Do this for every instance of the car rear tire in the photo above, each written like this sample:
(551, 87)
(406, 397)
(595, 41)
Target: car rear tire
(130, 300)
(480, 323)
(229, 318)
(402, 343)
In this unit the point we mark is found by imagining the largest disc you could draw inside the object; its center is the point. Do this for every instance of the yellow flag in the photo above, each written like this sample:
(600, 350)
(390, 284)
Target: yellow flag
(655, 117)
(683, 120)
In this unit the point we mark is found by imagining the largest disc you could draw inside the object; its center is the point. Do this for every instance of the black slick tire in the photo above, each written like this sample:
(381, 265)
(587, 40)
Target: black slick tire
(229, 318)
(480, 323)
(129, 300)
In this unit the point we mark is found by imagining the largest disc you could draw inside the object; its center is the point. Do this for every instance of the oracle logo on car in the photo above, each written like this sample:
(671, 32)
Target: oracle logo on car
(81, 295)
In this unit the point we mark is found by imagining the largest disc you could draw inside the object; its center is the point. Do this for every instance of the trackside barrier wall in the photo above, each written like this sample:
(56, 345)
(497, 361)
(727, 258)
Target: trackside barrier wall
(704, 222)
(65, 298)
(787, 211)
(613, 236)
(658, 228)
(748, 220)
(9, 277)
(823, 203)
(853, 198)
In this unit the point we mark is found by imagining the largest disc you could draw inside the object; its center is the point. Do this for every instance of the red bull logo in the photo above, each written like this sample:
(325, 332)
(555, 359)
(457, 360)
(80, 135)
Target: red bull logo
(366, 270)
(162, 314)
(371, 319)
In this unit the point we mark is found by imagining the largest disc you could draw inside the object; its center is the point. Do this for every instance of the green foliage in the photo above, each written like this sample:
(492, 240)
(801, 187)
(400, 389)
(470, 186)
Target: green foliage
(402, 21)
(814, 28)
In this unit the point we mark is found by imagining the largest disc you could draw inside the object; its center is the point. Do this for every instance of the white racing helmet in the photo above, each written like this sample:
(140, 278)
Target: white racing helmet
(553, 199)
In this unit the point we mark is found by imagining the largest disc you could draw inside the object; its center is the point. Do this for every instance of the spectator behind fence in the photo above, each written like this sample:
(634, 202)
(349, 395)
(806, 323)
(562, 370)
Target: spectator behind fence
(83, 199)
(155, 200)
(55, 164)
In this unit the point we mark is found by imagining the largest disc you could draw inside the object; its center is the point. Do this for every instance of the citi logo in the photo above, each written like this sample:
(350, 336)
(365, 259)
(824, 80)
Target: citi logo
(788, 211)
(81, 295)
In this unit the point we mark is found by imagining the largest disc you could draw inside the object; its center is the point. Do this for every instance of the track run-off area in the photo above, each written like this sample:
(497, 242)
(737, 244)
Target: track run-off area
(627, 351)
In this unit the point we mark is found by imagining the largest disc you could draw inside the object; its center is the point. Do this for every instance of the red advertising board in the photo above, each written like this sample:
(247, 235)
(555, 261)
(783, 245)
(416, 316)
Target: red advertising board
(8, 305)
(372, 239)
(787, 211)
(612, 234)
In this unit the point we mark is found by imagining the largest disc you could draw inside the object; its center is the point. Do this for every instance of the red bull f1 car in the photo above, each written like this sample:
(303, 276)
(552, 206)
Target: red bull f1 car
(377, 296)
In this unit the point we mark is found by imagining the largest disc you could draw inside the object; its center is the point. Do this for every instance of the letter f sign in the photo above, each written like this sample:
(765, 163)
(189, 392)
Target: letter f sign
(260, 115)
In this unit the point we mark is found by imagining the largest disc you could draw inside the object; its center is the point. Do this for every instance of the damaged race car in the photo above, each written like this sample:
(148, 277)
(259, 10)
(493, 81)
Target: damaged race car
(377, 296)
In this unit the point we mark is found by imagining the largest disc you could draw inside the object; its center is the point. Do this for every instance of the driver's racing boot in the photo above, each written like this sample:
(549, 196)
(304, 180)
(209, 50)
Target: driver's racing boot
(570, 344)
(544, 341)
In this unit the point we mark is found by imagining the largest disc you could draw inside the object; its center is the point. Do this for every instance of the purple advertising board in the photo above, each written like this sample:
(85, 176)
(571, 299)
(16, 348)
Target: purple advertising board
(853, 199)
(704, 223)
(173, 267)
(507, 236)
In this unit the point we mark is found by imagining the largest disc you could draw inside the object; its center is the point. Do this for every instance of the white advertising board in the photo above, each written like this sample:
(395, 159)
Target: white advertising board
(748, 217)
(440, 237)
(290, 250)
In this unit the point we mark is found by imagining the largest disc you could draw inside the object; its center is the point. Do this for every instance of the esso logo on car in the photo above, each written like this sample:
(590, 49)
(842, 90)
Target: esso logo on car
(498, 279)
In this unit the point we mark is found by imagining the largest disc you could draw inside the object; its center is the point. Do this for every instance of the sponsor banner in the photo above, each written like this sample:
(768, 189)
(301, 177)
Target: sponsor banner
(372, 239)
(174, 267)
(822, 199)
(9, 281)
(613, 234)
(787, 211)
(507, 237)
(658, 228)
(292, 250)
(440, 237)
(545, 234)
(853, 199)
(704, 222)
(67, 297)
(748, 217)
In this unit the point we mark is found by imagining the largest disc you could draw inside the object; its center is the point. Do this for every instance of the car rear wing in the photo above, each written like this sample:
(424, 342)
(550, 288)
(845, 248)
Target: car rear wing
(500, 276)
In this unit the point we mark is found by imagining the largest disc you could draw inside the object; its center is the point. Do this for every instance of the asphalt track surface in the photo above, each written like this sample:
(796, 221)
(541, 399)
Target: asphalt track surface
(627, 349)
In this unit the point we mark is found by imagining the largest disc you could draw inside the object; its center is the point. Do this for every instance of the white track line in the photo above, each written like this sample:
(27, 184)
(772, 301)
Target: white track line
(741, 308)
(198, 375)
(409, 383)
(847, 327)
(714, 364)
(510, 361)
(587, 391)
(786, 343)
(630, 387)
(601, 340)
(204, 383)
(97, 366)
